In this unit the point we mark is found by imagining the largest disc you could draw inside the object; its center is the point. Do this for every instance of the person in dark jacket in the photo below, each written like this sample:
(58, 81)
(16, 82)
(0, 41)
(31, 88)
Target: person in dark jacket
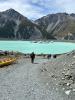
(32, 56)
(54, 56)
(49, 56)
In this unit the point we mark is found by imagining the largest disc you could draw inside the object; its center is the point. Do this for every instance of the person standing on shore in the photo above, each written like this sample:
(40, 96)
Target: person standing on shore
(48, 56)
(32, 56)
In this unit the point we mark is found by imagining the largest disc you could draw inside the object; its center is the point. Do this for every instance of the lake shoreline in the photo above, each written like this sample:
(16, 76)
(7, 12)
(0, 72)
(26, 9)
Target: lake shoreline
(42, 40)
(52, 78)
(40, 47)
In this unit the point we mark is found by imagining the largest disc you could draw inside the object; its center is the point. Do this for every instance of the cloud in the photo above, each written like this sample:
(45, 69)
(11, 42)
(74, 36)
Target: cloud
(67, 5)
(34, 9)
(25, 7)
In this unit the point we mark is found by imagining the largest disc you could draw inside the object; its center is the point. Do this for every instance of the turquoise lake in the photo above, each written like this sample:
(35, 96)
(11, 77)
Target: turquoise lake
(37, 47)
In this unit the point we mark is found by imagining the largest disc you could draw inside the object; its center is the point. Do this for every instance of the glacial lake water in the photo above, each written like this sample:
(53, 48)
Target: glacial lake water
(37, 47)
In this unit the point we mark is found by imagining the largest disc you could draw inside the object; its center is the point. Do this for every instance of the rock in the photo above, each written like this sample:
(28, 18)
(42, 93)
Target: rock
(73, 63)
(53, 76)
(73, 90)
(63, 72)
(68, 84)
(42, 70)
(69, 65)
(68, 92)
(45, 69)
(64, 64)
(63, 78)
(73, 56)
(62, 83)
(65, 69)
(67, 73)
(68, 77)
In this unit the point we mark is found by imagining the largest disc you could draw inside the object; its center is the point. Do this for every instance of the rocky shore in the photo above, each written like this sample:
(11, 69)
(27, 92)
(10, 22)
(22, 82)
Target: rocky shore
(61, 71)
(46, 79)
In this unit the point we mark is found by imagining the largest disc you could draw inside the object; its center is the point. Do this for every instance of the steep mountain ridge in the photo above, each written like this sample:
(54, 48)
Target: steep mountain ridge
(58, 25)
(13, 25)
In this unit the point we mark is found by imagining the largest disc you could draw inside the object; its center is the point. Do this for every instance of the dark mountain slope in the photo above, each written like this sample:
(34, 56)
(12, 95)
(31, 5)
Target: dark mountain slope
(13, 25)
(59, 25)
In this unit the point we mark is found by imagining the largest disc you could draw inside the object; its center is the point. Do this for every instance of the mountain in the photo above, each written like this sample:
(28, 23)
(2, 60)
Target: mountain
(60, 25)
(13, 25)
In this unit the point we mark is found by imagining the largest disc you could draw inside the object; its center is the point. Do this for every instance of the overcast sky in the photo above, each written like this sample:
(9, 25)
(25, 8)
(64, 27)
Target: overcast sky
(34, 9)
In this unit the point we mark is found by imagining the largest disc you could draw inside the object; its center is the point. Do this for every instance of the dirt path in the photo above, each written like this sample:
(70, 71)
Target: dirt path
(24, 81)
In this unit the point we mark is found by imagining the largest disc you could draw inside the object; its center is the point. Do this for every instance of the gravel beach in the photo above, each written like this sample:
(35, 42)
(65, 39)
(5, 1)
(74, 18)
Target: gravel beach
(46, 79)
